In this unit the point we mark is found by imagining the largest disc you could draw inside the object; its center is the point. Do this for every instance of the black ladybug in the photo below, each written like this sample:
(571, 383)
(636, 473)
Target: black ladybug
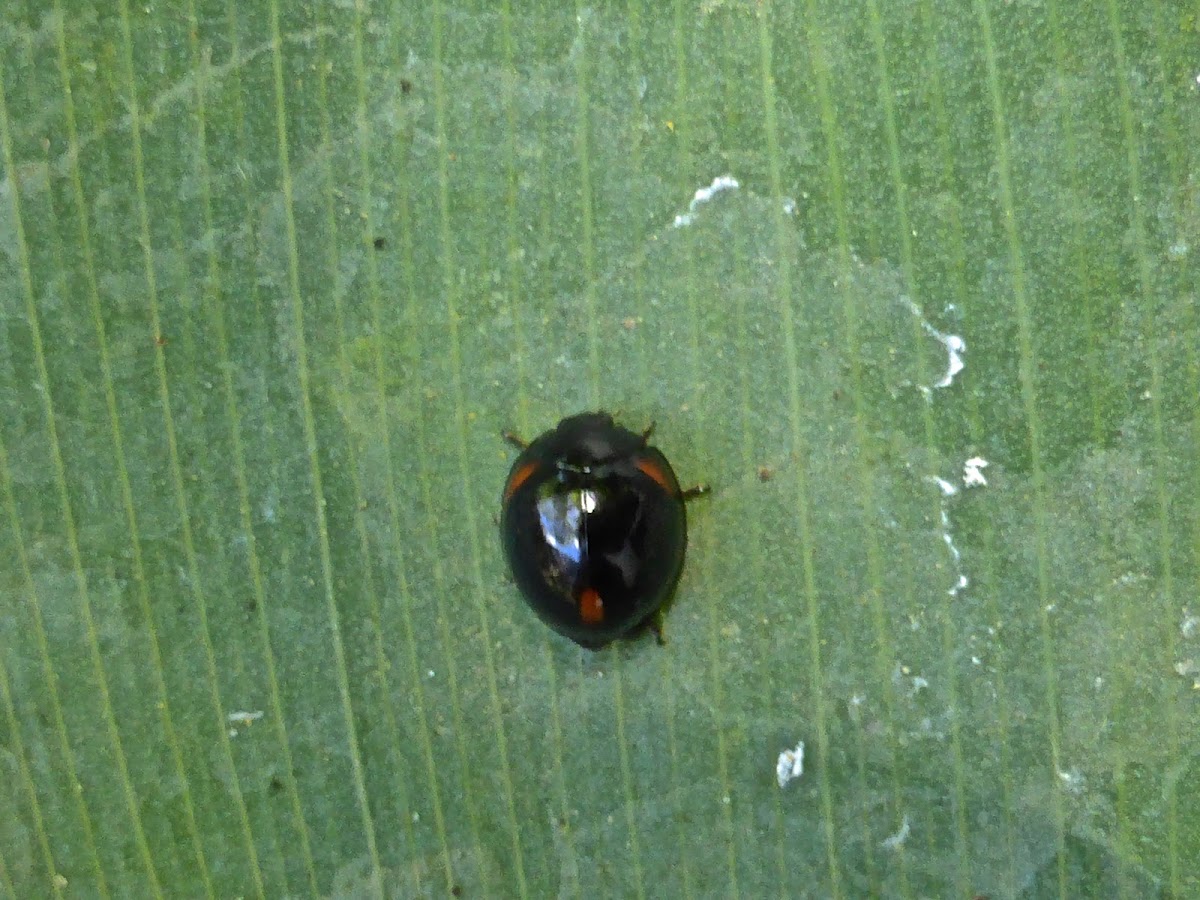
(594, 527)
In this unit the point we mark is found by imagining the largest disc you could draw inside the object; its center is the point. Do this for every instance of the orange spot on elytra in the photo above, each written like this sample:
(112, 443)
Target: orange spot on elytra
(518, 478)
(591, 607)
(653, 470)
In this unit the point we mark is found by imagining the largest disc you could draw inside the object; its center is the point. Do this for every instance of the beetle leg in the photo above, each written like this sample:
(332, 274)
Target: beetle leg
(693, 492)
(514, 439)
(655, 624)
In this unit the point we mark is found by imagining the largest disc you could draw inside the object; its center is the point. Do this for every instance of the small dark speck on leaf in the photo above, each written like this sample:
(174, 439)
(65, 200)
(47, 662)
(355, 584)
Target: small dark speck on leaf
(765, 473)
(379, 243)
(456, 890)
(406, 86)
(276, 785)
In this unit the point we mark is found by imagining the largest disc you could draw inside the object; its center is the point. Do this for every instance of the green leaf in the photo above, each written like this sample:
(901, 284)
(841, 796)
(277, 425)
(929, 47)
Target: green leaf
(273, 279)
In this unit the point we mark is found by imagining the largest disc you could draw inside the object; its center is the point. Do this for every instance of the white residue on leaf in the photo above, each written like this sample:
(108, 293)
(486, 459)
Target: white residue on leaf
(896, 841)
(948, 490)
(703, 195)
(1072, 780)
(973, 472)
(790, 765)
(972, 477)
(917, 683)
(962, 582)
(955, 348)
(244, 718)
(1187, 628)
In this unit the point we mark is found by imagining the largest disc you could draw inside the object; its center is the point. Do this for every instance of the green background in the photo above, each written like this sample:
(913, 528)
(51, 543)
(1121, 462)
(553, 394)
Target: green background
(273, 278)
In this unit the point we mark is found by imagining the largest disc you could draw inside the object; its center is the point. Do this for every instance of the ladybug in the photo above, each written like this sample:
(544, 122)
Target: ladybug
(594, 527)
